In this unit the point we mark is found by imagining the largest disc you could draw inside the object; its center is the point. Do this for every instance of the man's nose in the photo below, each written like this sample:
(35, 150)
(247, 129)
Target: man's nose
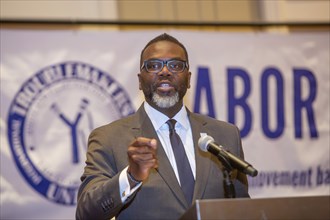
(165, 71)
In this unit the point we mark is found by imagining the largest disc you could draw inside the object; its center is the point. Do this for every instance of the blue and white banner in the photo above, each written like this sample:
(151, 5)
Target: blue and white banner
(56, 86)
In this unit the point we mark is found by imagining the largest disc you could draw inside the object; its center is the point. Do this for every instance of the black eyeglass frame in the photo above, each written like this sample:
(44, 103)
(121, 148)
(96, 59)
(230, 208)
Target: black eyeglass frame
(165, 62)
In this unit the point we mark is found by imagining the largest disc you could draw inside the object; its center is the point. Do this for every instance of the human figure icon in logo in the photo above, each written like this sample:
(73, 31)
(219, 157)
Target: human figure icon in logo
(73, 125)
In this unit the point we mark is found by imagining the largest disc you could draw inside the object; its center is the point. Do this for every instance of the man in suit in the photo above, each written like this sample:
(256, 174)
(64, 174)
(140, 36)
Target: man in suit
(133, 170)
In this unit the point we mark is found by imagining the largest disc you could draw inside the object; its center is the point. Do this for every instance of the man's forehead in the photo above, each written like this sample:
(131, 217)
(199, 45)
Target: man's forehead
(161, 48)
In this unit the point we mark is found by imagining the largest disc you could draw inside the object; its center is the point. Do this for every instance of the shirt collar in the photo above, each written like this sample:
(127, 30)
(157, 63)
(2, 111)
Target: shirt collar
(158, 119)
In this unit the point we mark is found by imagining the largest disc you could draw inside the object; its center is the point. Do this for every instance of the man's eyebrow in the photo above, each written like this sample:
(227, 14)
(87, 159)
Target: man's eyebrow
(173, 58)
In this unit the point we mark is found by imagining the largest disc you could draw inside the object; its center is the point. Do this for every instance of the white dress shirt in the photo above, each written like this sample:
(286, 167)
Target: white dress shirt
(183, 129)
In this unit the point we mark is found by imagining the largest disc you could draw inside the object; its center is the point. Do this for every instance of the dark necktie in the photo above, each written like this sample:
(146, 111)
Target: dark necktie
(185, 174)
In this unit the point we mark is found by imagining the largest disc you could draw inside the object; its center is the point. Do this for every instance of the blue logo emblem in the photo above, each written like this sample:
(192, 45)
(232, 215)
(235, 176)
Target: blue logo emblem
(49, 122)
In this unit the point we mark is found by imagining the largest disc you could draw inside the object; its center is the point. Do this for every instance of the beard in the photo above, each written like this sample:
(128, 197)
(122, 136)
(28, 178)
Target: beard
(165, 101)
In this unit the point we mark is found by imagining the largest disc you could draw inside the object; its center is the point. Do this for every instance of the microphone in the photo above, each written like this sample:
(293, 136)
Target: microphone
(206, 143)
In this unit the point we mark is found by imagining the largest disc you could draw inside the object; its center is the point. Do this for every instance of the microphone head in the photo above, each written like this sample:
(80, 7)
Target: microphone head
(204, 141)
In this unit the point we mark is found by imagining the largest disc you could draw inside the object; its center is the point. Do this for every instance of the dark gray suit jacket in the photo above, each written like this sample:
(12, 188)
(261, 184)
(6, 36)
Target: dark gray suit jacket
(160, 196)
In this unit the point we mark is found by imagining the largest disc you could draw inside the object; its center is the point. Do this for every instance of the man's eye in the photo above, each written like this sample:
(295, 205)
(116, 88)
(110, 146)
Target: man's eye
(176, 65)
(154, 65)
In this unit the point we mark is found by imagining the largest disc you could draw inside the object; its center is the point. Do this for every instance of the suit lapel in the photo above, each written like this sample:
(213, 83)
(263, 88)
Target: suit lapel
(203, 160)
(144, 128)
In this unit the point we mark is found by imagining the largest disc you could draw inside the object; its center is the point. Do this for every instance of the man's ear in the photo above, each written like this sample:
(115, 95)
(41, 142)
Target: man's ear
(189, 76)
(140, 87)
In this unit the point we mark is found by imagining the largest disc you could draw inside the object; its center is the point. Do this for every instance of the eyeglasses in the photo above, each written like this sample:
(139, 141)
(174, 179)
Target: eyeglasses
(155, 66)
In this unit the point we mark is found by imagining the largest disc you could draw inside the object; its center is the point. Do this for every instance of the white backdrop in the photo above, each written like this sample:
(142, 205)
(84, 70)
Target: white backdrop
(58, 85)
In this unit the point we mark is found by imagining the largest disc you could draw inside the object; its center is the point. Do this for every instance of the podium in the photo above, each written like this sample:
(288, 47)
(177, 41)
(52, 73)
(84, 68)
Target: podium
(317, 207)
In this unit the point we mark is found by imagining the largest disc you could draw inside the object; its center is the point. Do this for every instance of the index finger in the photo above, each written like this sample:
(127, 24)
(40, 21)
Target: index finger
(143, 141)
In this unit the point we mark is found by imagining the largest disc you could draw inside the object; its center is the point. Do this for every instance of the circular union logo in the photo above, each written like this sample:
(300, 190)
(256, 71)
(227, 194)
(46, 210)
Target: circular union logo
(49, 122)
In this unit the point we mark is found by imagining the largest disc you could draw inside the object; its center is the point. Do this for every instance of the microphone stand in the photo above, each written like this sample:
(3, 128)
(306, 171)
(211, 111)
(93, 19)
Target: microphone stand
(227, 182)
